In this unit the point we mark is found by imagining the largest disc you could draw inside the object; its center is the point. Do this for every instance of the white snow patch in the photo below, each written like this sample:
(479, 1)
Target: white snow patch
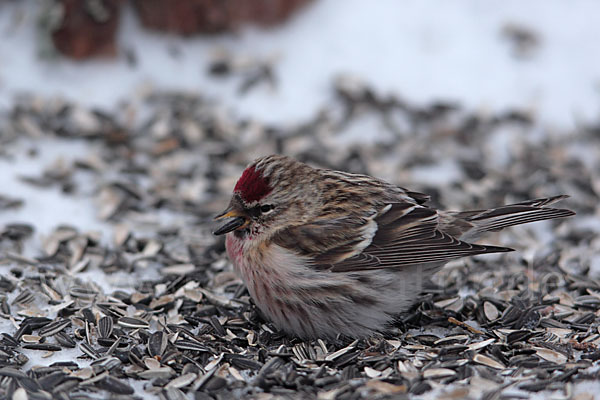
(441, 173)
(421, 50)
(45, 208)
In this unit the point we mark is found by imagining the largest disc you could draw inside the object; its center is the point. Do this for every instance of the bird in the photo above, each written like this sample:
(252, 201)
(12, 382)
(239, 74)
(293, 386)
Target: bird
(325, 252)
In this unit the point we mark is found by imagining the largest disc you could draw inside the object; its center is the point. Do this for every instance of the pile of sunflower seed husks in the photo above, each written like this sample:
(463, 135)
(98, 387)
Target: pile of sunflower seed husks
(154, 310)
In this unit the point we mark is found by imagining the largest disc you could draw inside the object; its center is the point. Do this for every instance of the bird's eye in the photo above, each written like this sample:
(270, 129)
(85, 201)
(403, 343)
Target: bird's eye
(266, 208)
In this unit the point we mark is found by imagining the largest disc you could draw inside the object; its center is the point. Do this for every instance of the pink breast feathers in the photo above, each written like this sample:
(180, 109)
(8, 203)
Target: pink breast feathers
(234, 250)
(252, 186)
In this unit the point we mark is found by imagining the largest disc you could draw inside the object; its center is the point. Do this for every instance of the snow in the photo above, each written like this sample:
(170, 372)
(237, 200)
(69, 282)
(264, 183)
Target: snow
(437, 174)
(45, 208)
(420, 50)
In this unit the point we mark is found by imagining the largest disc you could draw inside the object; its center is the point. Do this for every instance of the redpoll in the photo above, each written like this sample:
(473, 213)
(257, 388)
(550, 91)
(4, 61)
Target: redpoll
(325, 252)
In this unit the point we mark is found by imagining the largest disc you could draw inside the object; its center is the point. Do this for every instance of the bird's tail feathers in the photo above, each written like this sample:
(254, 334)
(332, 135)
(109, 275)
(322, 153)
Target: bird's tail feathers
(495, 219)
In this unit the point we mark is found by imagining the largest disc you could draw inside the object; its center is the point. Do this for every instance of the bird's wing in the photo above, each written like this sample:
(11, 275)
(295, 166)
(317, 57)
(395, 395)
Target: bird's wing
(401, 234)
(335, 239)
(419, 198)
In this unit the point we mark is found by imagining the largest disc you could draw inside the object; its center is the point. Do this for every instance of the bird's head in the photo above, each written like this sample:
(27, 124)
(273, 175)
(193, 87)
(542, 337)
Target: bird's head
(273, 192)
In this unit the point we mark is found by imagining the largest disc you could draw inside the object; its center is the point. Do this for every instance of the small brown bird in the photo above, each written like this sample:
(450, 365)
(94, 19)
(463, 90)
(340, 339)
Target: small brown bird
(325, 252)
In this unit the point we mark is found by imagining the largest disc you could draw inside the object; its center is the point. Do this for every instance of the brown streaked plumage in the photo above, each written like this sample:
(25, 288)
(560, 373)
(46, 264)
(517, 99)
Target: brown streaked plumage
(326, 252)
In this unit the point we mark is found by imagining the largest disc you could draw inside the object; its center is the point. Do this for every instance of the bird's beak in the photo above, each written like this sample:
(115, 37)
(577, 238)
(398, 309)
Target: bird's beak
(236, 220)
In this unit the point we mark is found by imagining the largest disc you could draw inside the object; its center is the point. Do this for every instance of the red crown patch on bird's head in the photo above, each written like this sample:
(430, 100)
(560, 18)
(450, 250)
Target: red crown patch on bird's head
(252, 185)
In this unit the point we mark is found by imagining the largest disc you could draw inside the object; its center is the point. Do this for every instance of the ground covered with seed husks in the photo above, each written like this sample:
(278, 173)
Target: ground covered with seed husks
(145, 304)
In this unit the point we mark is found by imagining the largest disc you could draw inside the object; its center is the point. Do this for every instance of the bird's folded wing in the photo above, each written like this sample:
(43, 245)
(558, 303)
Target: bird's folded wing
(405, 234)
(333, 238)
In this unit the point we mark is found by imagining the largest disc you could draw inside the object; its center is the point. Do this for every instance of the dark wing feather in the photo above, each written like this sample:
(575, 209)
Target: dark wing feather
(420, 198)
(413, 238)
(407, 234)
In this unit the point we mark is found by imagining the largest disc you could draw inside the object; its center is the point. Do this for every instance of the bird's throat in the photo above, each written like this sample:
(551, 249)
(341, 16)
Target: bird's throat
(241, 233)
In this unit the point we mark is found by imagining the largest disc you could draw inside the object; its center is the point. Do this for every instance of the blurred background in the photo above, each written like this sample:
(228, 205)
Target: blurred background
(124, 126)
(540, 57)
(112, 108)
